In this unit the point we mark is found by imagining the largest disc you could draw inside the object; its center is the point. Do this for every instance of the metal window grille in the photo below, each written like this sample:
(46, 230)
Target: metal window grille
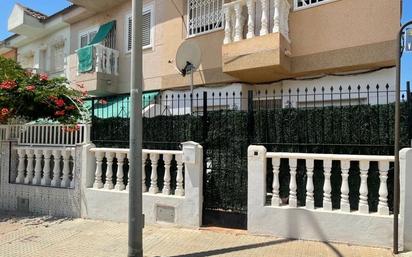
(308, 3)
(204, 16)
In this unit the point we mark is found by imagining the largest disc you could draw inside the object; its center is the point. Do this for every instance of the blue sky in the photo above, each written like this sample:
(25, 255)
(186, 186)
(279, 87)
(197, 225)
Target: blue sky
(51, 6)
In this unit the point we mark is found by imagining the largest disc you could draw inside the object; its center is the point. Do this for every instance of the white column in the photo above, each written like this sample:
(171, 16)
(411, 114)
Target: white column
(276, 17)
(29, 168)
(293, 201)
(264, 20)
(327, 187)
(228, 28)
(275, 184)
(116, 62)
(120, 172)
(144, 158)
(363, 190)
(46, 169)
(98, 173)
(154, 189)
(98, 58)
(310, 201)
(344, 189)
(167, 158)
(383, 208)
(251, 18)
(21, 166)
(66, 168)
(179, 176)
(56, 168)
(38, 167)
(238, 22)
(109, 172)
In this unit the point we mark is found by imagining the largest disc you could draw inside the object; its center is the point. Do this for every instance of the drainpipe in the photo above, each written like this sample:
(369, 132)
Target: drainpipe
(135, 239)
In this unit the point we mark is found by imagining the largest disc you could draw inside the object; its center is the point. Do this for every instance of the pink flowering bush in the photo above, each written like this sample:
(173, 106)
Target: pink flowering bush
(36, 96)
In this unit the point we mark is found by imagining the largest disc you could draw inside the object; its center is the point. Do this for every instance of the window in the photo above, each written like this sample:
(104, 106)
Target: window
(302, 4)
(147, 26)
(58, 57)
(87, 36)
(204, 16)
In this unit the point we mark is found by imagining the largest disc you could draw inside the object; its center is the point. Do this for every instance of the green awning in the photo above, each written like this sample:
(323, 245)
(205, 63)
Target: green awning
(102, 33)
(112, 107)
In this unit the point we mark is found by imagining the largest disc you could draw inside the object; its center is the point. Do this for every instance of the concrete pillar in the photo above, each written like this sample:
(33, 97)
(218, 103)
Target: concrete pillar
(193, 161)
(85, 168)
(405, 221)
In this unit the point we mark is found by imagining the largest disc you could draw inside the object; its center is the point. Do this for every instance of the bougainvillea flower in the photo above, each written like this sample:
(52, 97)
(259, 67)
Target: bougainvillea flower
(30, 88)
(4, 111)
(8, 84)
(70, 107)
(59, 113)
(102, 101)
(59, 102)
(43, 76)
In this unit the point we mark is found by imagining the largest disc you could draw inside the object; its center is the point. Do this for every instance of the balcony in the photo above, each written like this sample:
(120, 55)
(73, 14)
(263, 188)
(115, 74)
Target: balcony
(102, 79)
(256, 46)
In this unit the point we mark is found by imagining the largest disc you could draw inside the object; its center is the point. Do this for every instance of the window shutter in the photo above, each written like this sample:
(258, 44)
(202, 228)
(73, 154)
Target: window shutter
(129, 33)
(146, 29)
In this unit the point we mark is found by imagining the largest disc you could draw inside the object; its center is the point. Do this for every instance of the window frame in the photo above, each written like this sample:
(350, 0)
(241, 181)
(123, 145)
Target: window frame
(188, 35)
(147, 8)
(86, 32)
(297, 8)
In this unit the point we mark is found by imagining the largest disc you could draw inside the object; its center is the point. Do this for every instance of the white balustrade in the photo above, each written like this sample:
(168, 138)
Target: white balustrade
(10, 132)
(106, 60)
(34, 166)
(117, 157)
(257, 11)
(345, 161)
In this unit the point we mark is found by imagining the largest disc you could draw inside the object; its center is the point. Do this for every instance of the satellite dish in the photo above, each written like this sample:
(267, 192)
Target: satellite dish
(188, 57)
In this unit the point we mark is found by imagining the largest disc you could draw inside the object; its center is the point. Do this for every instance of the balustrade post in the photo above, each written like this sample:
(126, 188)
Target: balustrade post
(264, 20)
(363, 190)
(21, 166)
(275, 185)
(383, 208)
(154, 189)
(73, 154)
(327, 187)
(120, 172)
(310, 201)
(109, 172)
(56, 168)
(167, 158)
(251, 18)
(38, 167)
(276, 17)
(179, 176)
(29, 168)
(46, 169)
(238, 22)
(116, 63)
(284, 8)
(144, 187)
(98, 58)
(66, 168)
(228, 28)
(293, 201)
(344, 201)
(98, 173)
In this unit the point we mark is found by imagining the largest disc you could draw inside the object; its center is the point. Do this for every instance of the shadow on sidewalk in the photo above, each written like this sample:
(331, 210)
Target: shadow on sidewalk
(218, 252)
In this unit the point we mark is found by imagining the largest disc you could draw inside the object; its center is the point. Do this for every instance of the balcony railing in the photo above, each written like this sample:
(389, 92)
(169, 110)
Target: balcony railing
(260, 19)
(105, 60)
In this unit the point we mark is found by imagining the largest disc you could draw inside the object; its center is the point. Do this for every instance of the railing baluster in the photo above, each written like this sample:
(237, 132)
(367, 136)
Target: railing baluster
(21, 166)
(66, 168)
(344, 201)
(264, 20)
(56, 168)
(98, 173)
(383, 208)
(109, 171)
(153, 178)
(310, 201)
(275, 185)
(179, 176)
(276, 16)
(167, 158)
(238, 22)
(251, 18)
(29, 167)
(363, 190)
(293, 202)
(38, 167)
(46, 169)
(73, 181)
(120, 172)
(327, 187)
(144, 158)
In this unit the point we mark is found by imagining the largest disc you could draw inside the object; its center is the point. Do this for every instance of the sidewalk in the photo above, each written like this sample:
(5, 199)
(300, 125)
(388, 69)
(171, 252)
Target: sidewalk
(51, 237)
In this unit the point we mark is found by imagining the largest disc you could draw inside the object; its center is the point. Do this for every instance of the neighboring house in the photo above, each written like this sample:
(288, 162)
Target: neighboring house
(7, 52)
(245, 44)
(40, 42)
